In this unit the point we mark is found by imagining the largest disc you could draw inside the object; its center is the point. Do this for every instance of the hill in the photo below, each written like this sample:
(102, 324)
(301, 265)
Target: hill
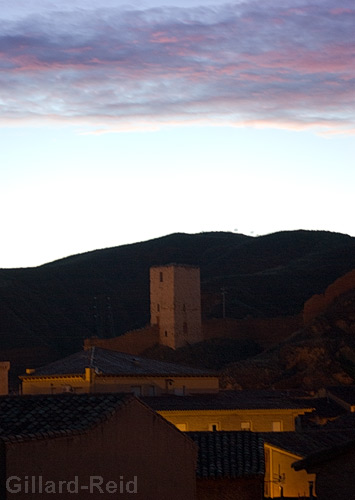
(47, 311)
(319, 355)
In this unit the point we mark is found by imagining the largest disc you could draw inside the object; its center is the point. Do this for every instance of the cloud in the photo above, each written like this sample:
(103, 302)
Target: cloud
(285, 63)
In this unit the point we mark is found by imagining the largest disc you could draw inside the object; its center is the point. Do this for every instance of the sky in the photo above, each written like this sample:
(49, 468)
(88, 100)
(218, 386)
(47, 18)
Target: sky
(123, 121)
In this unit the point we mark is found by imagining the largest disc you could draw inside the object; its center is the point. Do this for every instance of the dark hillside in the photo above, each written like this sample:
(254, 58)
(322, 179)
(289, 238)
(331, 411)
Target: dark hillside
(106, 292)
(274, 275)
(319, 355)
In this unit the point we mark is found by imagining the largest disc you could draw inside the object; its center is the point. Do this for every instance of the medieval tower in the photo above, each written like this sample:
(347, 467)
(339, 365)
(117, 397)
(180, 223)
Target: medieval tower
(175, 304)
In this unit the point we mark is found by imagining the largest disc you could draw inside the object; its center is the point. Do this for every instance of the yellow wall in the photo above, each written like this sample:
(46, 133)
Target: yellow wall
(279, 472)
(231, 420)
(145, 386)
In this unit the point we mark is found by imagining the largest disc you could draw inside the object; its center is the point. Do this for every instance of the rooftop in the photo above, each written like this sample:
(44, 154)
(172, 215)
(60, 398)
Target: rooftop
(306, 443)
(229, 454)
(108, 362)
(325, 455)
(346, 421)
(345, 393)
(226, 400)
(38, 416)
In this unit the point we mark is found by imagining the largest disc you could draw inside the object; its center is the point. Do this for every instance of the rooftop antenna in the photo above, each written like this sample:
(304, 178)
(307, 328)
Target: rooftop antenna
(92, 357)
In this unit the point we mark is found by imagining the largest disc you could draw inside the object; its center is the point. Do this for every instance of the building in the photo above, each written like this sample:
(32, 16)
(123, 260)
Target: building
(101, 370)
(344, 396)
(282, 449)
(81, 446)
(4, 377)
(230, 465)
(258, 411)
(175, 304)
(334, 467)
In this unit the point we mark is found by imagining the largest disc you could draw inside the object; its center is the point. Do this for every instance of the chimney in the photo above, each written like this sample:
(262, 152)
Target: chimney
(4, 377)
(89, 375)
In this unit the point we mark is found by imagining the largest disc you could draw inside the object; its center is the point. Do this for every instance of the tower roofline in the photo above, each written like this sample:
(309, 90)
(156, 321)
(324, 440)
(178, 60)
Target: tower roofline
(175, 264)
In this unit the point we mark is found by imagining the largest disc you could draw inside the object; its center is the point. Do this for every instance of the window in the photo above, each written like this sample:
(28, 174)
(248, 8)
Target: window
(137, 390)
(151, 390)
(276, 426)
(166, 333)
(161, 277)
(169, 385)
(184, 307)
(214, 426)
(158, 307)
(179, 391)
(181, 427)
(245, 426)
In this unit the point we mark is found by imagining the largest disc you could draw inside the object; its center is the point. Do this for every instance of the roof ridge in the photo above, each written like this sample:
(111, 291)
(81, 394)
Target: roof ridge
(47, 403)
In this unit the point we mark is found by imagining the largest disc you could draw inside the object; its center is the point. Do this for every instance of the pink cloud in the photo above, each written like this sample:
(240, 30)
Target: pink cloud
(189, 64)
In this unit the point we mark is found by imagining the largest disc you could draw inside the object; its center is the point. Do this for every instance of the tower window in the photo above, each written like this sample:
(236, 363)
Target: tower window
(161, 277)
(166, 333)
(158, 307)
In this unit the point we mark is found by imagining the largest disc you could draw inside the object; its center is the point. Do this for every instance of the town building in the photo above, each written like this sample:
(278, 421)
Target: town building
(91, 446)
(101, 370)
(230, 465)
(344, 396)
(334, 466)
(4, 377)
(257, 411)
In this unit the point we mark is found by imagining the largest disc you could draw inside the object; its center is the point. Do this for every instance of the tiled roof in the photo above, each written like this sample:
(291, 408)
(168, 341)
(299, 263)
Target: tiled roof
(107, 362)
(325, 455)
(226, 400)
(346, 393)
(228, 454)
(38, 416)
(346, 421)
(306, 443)
(324, 407)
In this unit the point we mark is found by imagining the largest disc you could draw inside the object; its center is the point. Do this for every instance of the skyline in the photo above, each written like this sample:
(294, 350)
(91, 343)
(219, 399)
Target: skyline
(130, 121)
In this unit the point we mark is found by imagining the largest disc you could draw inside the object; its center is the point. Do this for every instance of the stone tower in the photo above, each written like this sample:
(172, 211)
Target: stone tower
(175, 304)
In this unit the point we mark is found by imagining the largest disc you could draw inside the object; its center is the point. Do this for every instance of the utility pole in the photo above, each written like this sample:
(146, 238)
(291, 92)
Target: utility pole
(109, 317)
(97, 322)
(223, 290)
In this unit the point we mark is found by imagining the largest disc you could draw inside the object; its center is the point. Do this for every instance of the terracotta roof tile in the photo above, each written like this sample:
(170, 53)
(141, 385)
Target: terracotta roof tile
(306, 443)
(324, 455)
(107, 362)
(228, 454)
(35, 416)
(226, 400)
